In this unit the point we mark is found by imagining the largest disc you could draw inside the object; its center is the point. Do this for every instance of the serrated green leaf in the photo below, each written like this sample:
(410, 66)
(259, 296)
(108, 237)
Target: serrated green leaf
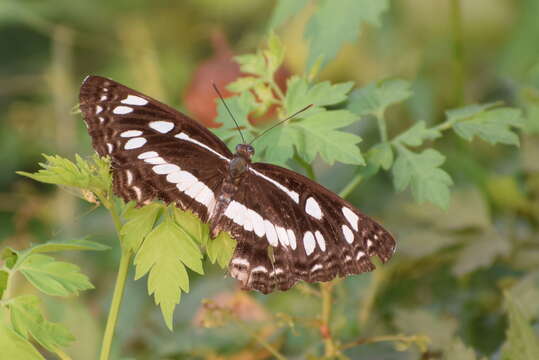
(522, 342)
(164, 254)
(319, 136)
(440, 330)
(53, 277)
(277, 145)
(300, 94)
(459, 351)
(493, 126)
(417, 134)
(284, 10)
(468, 111)
(15, 346)
(220, 249)
(140, 222)
(526, 290)
(333, 25)
(480, 253)
(63, 245)
(381, 155)
(192, 225)
(421, 171)
(240, 106)
(57, 170)
(376, 97)
(27, 321)
(9, 257)
(274, 54)
(254, 64)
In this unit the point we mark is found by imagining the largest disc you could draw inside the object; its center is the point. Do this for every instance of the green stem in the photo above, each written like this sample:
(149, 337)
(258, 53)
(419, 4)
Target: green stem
(356, 180)
(330, 350)
(262, 342)
(419, 339)
(458, 52)
(117, 296)
(382, 127)
(119, 286)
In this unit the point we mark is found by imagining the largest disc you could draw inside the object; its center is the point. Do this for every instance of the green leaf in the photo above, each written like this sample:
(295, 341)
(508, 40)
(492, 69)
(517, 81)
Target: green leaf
(421, 171)
(253, 64)
(319, 136)
(381, 155)
(417, 134)
(15, 346)
(220, 249)
(164, 254)
(481, 253)
(58, 245)
(530, 99)
(284, 10)
(301, 94)
(240, 106)
(140, 222)
(9, 257)
(459, 351)
(335, 24)
(27, 321)
(274, 55)
(375, 98)
(243, 84)
(277, 145)
(493, 126)
(440, 330)
(53, 277)
(191, 224)
(94, 176)
(468, 111)
(522, 342)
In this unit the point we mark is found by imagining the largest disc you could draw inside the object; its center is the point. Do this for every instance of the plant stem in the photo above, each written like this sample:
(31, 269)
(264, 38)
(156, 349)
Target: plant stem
(419, 339)
(356, 180)
(117, 296)
(382, 127)
(262, 342)
(329, 345)
(119, 286)
(458, 53)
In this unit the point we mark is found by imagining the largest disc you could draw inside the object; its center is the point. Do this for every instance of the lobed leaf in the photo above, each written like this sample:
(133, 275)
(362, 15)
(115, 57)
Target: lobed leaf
(15, 346)
(376, 97)
(381, 155)
(53, 277)
(220, 249)
(333, 25)
(27, 321)
(522, 342)
(66, 245)
(164, 254)
(422, 172)
(192, 225)
(481, 253)
(417, 134)
(300, 94)
(240, 106)
(140, 222)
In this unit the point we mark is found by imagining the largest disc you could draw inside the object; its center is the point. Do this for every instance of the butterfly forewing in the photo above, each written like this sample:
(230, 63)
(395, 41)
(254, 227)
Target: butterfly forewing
(287, 227)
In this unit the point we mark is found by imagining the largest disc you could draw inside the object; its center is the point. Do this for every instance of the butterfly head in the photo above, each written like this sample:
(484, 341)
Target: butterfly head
(245, 150)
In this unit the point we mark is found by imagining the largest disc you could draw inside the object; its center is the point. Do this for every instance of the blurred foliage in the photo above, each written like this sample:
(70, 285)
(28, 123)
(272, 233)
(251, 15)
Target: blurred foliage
(464, 282)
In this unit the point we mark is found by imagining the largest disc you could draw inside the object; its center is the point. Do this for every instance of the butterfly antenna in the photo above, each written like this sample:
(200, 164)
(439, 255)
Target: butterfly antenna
(282, 121)
(227, 109)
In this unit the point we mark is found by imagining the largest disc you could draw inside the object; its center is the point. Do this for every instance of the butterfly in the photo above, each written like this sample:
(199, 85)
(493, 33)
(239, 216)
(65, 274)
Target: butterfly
(287, 227)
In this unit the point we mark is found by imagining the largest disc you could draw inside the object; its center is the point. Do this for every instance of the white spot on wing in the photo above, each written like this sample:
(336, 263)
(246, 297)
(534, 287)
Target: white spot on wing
(134, 100)
(360, 254)
(98, 109)
(348, 234)
(320, 240)
(294, 195)
(258, 222)
(282, 235)
(184, 136)
(240, 261)
(260, 268)
(165, 169)
(134, 143)
(131, 133)
(129, 176)
(316, 267)
(183, 179)
(147, 155)
(103, 98)
(205, 196)
(271, 235)
(110, 147)
(309, 243)
(122, 110)
(101, 119)
(162, 126)
(291, 239)
(313, 208)
(155, 160)
(351, 217)
(137, 191)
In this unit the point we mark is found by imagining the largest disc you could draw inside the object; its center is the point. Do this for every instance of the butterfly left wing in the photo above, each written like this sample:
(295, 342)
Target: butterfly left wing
(156, 151)
(314, 235)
